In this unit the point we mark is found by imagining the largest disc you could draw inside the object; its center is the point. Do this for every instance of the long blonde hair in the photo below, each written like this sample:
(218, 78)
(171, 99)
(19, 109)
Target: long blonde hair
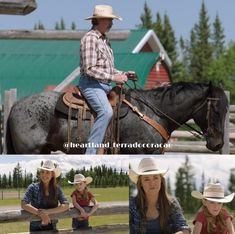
(163, 200)
(215, 221)
(83, 195)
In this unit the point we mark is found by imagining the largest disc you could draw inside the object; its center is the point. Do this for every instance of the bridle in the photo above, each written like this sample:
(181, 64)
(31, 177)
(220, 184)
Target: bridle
(199, 134)
(210, 99)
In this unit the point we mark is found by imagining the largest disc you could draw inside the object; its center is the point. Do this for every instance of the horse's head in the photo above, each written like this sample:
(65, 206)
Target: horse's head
(211, 117)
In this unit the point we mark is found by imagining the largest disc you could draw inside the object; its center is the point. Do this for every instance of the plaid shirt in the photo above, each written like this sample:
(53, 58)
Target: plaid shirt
(175, 222)
(96, 57)
(33, 196)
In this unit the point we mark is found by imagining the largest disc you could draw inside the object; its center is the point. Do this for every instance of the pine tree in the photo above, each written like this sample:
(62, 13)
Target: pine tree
(4, 181)
(169, 41)
(73, 26)
(40, 26)
(185, 184)
(170, 45)
(201, 48)
(57, 26)
(62, 24)
(70, 175)
(9, 180)
(223, 70)
(218, 38)
(202, 182)
(183, 73)
(29, 180)
(17, 177)
(158, 27)
(146, 17)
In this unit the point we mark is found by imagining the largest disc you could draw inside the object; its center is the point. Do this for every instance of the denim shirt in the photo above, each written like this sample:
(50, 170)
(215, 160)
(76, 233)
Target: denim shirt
(33, 196)
(175, 222)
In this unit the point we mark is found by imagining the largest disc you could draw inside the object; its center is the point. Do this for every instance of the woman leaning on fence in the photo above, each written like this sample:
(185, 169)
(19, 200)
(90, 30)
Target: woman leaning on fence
(153, 211)
(45, 198)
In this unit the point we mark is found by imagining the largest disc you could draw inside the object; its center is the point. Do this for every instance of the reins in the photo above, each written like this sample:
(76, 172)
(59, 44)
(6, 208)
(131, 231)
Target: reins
(155, 110)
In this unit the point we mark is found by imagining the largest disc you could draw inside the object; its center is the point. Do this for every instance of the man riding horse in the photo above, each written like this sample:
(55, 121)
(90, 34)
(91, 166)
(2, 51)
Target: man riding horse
(97, 72)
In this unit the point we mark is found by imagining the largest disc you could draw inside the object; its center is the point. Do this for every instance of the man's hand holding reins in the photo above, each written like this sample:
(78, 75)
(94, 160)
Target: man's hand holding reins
(120, 78)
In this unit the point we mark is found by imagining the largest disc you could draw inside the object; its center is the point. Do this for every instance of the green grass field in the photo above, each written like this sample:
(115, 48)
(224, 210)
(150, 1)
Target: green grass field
(101, 194)
(66, 223)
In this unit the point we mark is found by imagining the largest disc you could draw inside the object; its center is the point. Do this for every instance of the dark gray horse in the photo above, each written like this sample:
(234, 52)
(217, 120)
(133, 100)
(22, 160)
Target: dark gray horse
(35, 127)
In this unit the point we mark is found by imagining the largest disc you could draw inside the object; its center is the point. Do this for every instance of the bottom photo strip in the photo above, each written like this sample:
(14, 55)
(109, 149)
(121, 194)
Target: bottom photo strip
(137, 194)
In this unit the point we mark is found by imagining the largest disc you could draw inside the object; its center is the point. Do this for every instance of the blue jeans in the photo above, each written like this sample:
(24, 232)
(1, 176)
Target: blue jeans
(36, 226)
(80, 224)
(96, 95)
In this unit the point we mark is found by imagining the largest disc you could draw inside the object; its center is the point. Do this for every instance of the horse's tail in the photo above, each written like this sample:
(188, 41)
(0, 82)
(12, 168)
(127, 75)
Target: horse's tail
(9, 143)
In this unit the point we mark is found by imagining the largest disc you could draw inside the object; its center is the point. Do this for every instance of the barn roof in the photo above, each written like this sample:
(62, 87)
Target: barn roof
(31, 64)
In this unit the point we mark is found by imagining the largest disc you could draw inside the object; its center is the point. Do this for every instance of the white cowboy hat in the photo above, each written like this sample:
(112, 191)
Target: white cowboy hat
(103, 11)
(81, 178)
(213, 192)
(147, 166)
(48, 165)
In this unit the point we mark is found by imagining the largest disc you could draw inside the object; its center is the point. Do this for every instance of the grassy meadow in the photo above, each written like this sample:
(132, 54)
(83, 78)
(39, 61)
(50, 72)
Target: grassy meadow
(101, 194)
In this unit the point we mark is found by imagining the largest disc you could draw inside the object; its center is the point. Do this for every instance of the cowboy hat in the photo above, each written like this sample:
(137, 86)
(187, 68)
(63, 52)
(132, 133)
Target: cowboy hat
(103, 11)
(78, 178)
(213, 192)
(147, 166)
(48, 165)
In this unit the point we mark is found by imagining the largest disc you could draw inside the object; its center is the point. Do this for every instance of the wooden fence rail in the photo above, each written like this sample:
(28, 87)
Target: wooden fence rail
(104, 209)
(17, 7)
(113, 208)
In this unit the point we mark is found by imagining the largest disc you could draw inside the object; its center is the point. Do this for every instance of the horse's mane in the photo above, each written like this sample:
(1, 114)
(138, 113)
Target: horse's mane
(181, 91)
(174, 91)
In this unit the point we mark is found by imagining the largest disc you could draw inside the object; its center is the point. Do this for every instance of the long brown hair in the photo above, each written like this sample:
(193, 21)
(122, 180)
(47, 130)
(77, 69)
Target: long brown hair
(52, 198)
(215, 221)
(163, 200)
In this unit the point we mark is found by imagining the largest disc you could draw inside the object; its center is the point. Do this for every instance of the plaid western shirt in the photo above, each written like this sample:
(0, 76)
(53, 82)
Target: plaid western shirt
(96, 57)
(175, 222)
(33, 196)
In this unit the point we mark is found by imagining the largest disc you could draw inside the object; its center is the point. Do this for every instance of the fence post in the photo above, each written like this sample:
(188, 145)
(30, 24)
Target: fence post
(9, 99)
(226, 148)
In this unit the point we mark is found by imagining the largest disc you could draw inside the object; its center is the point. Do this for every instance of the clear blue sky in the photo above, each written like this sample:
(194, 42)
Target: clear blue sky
(183, 14)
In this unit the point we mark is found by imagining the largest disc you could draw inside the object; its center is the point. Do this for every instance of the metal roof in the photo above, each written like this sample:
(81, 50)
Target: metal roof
(31, 65)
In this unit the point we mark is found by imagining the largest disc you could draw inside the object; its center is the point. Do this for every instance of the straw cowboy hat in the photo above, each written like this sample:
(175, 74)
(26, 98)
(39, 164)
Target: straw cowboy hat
(213, 192)
(147, 166)
(78, 178)
(48, 165)
(103, 11)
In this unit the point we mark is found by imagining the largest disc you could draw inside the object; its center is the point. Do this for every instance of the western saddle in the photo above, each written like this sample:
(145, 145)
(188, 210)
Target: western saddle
(75, 101)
